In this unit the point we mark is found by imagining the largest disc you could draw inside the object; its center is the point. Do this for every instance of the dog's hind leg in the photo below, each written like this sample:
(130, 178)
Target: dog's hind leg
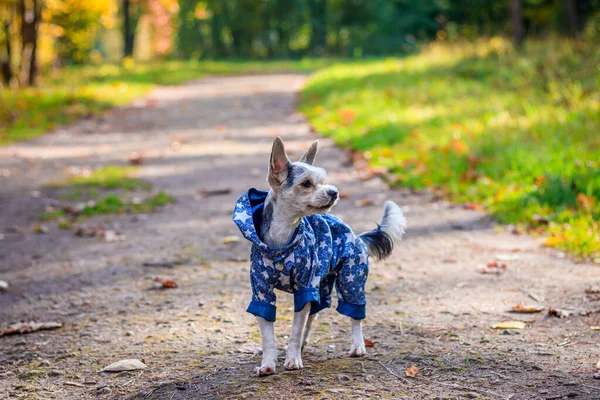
(293, 359)
(357, 346)
(269, 348)
(309, 323)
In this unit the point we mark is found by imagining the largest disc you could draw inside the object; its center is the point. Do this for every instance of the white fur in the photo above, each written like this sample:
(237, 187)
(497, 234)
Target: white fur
(309, 323)
(393, 221)
(269, 348)
(293, 359)
(357, 344)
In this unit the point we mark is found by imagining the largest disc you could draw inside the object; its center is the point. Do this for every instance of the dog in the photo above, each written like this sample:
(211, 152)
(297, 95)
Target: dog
(297, 247)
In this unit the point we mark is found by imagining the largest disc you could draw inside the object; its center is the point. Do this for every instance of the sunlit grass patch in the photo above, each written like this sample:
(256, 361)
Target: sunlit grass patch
(112, 189)
(516, 133)
(111, 177)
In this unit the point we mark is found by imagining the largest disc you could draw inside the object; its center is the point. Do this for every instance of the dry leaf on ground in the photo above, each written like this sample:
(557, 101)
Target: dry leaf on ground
(532, 308)
(28, 327)
(369, 343)
(135, 158)
(364, 203)
(412, 371)
(230, 239)
(510, 325)
(493, 268)
(593, 290)
(164, 283)
(216, 192)
(124, 365)
(595, 328)
(40, 229)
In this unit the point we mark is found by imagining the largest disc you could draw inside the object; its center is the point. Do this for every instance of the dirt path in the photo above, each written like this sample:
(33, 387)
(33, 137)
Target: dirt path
(428, 305)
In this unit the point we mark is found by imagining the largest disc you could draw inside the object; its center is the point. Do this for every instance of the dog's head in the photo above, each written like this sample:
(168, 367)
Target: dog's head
(298, 186)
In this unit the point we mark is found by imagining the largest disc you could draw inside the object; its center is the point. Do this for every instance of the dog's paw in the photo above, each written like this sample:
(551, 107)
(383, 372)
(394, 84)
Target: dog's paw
(265, 370)
(357, 350)
(293, 363)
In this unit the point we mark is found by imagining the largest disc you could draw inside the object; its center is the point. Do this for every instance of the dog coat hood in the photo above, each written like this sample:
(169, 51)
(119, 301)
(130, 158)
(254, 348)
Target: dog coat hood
(322, 252)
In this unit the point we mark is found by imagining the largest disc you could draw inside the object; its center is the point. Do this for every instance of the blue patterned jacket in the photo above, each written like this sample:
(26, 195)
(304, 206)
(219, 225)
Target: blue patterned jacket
(322, 252)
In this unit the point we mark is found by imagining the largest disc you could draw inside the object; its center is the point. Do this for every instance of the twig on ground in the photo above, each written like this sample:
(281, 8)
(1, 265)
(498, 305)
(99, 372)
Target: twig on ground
(591, 387)
(531, 295)
(394, 374)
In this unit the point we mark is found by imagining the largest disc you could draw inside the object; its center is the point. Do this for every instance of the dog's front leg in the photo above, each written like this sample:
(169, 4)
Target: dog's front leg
(269, 348)
(293, 359)
(309, 323)
(357, 346)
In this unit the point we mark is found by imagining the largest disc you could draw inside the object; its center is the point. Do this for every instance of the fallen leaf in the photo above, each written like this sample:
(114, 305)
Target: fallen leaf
(28, 327)
(595, 328)
(469, 205)
(3, 286)
(412, 371)
(459, 147)
(216, 192)
(230, 239)
(510, 325)
(593, 290)
(369, 343)
(124, 365)
(586, 202)
(554, 240)
(534, 308)
(40, 229)
(135, 158)
(364, 203)
(164, 284)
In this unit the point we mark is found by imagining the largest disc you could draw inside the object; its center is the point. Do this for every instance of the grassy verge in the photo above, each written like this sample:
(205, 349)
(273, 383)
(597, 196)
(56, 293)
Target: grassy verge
(66, 95)
(514, 133)
(109, 190)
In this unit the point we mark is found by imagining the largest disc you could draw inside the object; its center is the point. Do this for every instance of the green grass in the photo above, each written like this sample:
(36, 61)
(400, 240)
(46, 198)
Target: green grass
(113, 182)
(66, 95)
(111, 177)
(517, 133)
(110, 204)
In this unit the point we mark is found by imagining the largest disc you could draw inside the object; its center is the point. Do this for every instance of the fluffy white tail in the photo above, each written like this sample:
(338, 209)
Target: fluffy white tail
(380, 241)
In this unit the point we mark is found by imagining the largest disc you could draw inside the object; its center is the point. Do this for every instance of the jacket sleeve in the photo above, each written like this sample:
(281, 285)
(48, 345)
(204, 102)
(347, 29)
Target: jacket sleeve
(263, 294)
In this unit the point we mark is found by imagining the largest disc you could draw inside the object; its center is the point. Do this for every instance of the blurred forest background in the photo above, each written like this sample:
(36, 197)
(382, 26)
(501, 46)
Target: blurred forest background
(491, 103)
(58, 33)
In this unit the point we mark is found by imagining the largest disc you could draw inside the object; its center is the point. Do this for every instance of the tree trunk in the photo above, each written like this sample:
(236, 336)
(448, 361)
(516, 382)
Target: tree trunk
(570, 7)
(30, 20)
(128, 37)
(6, 60)
(516, 16)
(318, 19)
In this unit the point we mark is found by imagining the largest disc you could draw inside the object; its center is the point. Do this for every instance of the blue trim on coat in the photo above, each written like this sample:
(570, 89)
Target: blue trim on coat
(352, 310)
(304, 296)
(263, 310)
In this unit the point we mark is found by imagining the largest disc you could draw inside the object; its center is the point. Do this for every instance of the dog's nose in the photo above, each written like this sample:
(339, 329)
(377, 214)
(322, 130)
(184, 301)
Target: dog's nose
(332, 193)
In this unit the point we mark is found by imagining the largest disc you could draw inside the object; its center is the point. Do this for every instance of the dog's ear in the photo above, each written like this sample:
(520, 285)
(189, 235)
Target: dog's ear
(279, 165)
(309, 156)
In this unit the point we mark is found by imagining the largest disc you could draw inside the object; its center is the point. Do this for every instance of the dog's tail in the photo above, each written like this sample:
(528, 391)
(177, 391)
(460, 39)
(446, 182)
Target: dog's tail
(380, 241)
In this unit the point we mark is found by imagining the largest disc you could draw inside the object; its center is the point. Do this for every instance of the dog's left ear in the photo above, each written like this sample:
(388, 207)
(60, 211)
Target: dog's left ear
(309, 156)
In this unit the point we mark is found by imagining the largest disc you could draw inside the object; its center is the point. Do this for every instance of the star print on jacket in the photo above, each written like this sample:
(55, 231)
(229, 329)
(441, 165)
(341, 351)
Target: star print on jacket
(322, 253)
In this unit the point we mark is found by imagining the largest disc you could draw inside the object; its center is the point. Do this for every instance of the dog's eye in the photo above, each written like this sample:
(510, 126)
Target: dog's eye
(306, 183)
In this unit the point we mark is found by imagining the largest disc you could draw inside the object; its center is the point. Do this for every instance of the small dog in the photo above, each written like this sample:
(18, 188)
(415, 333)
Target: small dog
(298, 248)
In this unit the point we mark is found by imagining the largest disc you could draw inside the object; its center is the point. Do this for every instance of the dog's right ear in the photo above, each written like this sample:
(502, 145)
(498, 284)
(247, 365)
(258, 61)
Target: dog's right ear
(279, 165)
